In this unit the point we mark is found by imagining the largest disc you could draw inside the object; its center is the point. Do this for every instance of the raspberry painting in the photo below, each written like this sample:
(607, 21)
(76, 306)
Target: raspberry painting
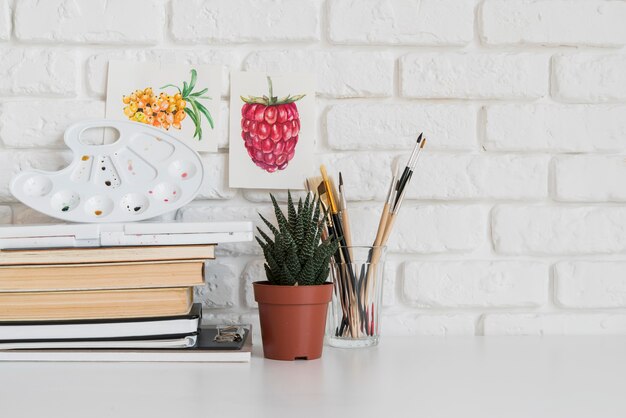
(169, 110)
(270, 128)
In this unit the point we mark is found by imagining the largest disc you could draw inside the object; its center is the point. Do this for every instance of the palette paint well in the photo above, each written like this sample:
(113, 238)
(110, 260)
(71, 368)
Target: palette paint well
(144, 174)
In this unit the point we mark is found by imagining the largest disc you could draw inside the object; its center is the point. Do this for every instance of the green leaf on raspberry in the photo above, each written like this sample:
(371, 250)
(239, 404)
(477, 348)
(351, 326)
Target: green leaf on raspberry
(271, 100)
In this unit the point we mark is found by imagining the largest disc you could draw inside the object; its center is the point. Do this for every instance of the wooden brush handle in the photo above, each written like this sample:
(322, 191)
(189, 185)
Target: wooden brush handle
(381, 225)
(346, 227)
(388, 228)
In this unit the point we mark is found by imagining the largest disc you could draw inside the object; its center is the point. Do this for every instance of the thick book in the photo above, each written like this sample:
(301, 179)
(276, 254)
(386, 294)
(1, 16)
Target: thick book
(95, 304)
(205, 350)
(178, 325)
(95, 276)
(106, 254)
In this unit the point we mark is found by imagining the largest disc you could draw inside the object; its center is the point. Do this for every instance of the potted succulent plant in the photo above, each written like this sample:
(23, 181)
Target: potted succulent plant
(293, 302)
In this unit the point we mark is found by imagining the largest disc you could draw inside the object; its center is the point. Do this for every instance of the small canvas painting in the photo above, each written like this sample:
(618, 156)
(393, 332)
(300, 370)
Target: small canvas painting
(272, 130)
(182, 100)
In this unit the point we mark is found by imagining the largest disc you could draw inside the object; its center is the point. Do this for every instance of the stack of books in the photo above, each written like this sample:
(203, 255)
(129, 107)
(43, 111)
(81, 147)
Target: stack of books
(115, 303)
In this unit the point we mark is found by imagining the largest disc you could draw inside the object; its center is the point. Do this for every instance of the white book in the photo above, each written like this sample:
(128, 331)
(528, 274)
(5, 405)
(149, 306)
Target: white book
(184, 342)
(101, 329)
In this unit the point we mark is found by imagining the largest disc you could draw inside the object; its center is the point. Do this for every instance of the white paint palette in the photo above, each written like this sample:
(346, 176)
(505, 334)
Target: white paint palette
(144, 174)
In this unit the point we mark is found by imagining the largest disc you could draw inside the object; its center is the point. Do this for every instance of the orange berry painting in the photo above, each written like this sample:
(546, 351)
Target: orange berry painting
(180, 102)
(166, 110)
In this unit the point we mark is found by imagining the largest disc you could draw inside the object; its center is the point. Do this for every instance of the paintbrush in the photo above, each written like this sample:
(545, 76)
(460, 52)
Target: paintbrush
(327, 188)
(401, 193)
(344, 214)
(324, 188)
(313, 185)
(386, 208)
(406, 173)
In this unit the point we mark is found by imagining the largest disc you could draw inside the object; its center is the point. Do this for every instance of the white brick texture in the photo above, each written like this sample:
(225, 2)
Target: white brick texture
(90, 21)
(425, 229)
(215, 181)
(339, 74)
(220, 287)
(515, 220)
(555, 128)
(391, 126)
(479, 177)
(407, 22)
(554, 22)
(47, 72)
(476, 284)
(576, 178)
(596, 284)
(34, 124)
(559, 229)
(589, 78)
(97, 64)
(5, 20)
(245, 21)
(474, 76)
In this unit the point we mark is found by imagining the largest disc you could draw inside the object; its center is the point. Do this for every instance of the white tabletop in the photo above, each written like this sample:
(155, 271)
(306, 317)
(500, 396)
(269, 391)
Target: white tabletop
(402, 377)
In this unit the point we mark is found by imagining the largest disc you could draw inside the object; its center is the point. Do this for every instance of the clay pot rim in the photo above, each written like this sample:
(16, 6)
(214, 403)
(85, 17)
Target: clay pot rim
(268, 284)
(265, 292)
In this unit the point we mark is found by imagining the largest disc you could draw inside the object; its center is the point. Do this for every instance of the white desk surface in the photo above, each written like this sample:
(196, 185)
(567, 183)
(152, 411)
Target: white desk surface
(403, 377)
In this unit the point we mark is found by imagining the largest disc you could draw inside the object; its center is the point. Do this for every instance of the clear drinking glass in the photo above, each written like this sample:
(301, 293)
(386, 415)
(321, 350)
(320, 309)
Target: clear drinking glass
(354, 313)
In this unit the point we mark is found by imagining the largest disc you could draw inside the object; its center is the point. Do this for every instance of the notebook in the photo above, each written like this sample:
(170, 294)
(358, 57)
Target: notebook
(204, 350)
(178, 325)
(180, 342)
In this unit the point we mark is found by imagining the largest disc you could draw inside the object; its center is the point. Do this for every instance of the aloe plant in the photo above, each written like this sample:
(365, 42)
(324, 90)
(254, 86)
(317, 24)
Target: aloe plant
(297, 255)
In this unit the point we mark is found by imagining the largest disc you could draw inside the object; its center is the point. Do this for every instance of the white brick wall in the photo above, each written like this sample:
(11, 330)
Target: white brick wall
(90, 21)
(474, 76)
(516, 219)
(554, 22)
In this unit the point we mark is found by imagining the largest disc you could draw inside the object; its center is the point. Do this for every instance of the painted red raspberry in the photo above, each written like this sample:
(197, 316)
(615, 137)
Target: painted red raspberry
(270, 128)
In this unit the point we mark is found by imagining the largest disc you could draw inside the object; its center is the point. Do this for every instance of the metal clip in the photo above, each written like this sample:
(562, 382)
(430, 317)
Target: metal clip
(229, 334)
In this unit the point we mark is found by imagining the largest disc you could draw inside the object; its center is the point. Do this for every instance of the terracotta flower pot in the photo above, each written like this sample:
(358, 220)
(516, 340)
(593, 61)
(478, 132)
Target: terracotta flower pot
(293, 319)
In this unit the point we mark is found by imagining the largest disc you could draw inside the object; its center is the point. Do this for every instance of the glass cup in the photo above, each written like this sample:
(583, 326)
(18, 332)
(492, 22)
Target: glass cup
(354, 316)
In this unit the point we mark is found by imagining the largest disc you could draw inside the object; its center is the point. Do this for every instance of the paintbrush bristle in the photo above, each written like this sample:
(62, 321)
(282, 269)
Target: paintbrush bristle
(340, 180)
(329, 189)
(419, 138)
(324, 173)
(313, 183)
(423, 143)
